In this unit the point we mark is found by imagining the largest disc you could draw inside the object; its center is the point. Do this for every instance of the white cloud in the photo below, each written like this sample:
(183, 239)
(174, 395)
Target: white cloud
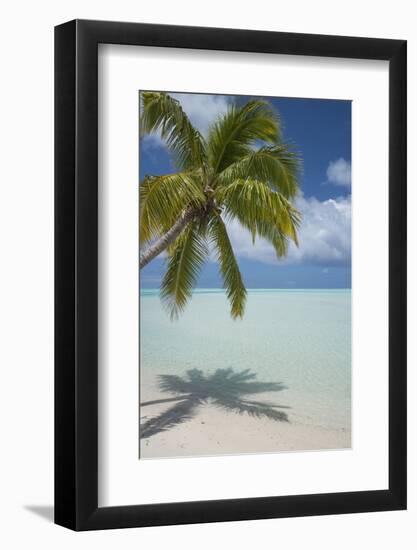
(325, 232)
(203, 109)
(339, 172)
(324, 235)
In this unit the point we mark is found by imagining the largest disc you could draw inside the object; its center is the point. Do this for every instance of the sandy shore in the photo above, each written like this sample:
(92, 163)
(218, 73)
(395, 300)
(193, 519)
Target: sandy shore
(215, 432)
(296, 344)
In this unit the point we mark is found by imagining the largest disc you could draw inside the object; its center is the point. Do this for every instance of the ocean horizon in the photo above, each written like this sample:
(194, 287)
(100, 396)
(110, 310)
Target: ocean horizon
(144, 291)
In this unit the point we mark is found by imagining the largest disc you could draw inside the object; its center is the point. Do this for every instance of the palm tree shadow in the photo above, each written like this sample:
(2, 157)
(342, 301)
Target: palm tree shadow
(224, 388)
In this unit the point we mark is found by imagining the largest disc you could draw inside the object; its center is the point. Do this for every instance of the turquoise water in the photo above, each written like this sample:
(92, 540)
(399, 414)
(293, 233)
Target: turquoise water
(301, 338)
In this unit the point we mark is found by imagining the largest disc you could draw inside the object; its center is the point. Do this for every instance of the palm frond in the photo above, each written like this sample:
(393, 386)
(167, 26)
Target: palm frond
(163, 401)
(257, 411)
(257, 387)
(232, 279)
(162, 113)
(233, 135)
(228, 383)
(262, 210)
(179, 413)
(187, 257)
(242, 171)
(264, 404)
(172, 383)
(277, 165)
(163, 198)
(224, 388)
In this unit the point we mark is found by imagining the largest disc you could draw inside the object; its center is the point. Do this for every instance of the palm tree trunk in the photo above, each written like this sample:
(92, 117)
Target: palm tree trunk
(167, 400)
(163, 242)
(181, 412)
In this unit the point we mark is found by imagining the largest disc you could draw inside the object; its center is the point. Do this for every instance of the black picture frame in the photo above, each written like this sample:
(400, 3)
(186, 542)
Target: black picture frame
(76, 271)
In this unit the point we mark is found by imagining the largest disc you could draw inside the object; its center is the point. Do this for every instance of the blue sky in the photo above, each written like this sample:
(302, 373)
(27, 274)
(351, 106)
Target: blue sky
(320, 129)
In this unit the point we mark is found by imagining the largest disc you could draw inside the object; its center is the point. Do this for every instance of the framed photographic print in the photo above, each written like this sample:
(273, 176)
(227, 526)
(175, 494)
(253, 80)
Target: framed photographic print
(230, 245)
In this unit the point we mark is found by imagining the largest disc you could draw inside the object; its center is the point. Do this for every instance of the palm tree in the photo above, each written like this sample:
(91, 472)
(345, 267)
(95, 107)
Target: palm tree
(241, 171)
(224, 388)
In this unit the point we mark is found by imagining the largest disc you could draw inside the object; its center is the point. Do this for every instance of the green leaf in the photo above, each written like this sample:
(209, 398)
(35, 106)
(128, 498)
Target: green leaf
(161, 113)
(232, 279)
(236, 132)
(278, 166)
(242, 171)
(262, 210)
(162, 199)
(183, 267)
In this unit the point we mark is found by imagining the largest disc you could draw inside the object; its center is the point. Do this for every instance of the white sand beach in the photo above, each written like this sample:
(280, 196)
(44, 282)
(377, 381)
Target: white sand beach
(215, 432)
(196, 400)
